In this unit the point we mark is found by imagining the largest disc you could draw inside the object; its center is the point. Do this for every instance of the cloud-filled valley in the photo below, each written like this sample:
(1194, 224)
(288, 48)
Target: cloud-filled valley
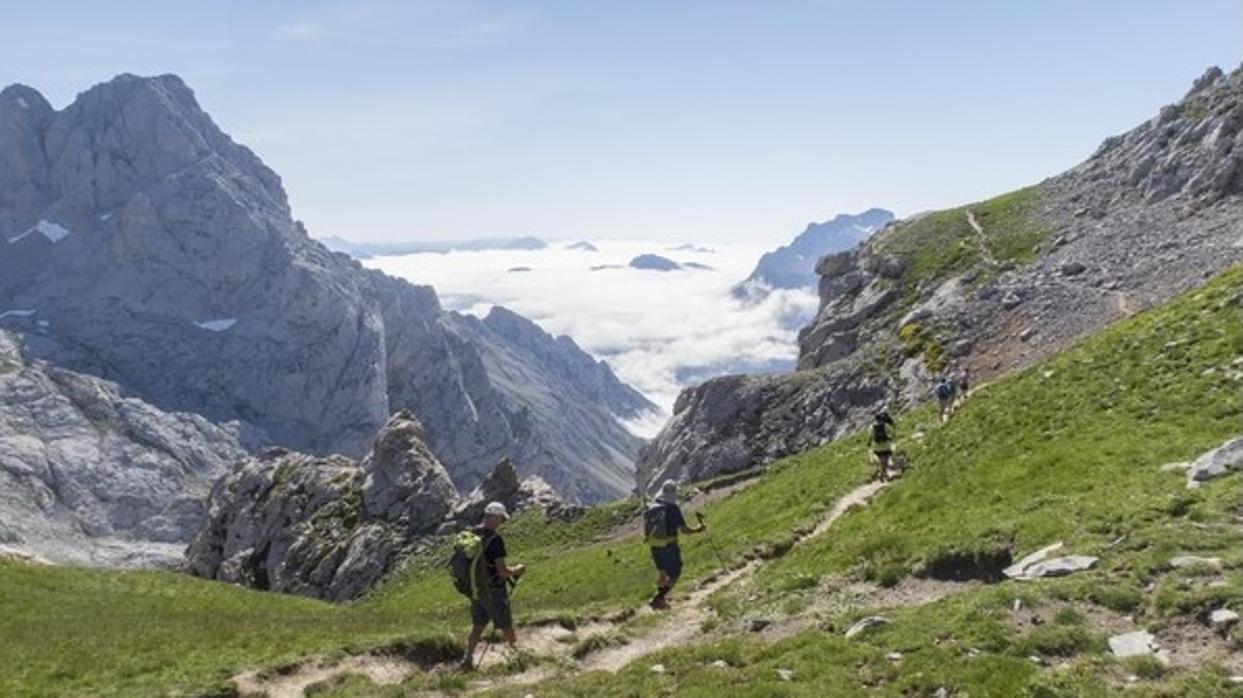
(659, 330)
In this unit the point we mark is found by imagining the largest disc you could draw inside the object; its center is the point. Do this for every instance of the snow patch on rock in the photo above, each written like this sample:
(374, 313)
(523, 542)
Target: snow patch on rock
(216, 325)
(48, 229)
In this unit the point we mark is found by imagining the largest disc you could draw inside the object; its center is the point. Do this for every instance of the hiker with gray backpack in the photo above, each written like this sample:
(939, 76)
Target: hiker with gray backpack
(479, 570)
(945, 392)
(662, 522)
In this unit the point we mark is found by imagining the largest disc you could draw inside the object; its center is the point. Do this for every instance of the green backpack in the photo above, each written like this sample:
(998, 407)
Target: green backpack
(465, 564)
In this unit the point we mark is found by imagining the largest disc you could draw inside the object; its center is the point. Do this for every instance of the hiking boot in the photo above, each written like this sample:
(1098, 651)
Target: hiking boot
(659, 604)
(467, 664)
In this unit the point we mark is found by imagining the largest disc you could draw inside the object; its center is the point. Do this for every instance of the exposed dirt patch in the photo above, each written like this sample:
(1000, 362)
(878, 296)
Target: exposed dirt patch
(1190, 643)
(381, 669)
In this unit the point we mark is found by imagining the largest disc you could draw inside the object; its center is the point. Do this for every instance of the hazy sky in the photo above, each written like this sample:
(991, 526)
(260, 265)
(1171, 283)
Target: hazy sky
(673, 120)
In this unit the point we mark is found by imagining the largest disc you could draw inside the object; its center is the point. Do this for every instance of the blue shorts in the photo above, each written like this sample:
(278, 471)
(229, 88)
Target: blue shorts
(668, 559)
(492, 607)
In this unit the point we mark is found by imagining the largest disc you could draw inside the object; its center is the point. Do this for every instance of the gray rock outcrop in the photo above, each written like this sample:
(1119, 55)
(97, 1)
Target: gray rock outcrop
(331, 528)
(1212, 464)
(1150, 215)
(91, 476)
(140, 244)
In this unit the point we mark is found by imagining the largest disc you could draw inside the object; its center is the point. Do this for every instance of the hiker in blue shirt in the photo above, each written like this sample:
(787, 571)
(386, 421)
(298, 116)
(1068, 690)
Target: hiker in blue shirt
(662, 522)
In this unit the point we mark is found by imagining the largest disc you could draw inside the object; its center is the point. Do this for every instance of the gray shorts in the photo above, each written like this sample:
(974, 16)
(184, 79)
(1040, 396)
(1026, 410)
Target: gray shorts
(492, 607)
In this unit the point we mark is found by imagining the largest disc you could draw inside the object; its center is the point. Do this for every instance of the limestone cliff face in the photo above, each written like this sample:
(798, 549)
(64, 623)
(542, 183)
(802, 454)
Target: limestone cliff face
(987, 287)
(90, 476)
(140, 244)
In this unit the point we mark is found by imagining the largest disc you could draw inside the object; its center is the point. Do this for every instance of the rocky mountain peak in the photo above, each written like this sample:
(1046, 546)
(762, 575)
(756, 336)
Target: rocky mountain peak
(140, 244)
(1193, 147)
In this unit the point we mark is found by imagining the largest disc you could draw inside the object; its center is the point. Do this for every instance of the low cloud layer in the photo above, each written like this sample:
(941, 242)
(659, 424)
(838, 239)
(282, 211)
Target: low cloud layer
(660, 331)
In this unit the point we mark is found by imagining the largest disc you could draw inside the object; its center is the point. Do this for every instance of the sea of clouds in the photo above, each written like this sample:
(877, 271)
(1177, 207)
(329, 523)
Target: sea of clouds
(660, 331)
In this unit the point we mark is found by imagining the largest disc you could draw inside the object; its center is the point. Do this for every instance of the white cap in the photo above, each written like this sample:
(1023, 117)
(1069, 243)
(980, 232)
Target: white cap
(496, 509)
(668, 492)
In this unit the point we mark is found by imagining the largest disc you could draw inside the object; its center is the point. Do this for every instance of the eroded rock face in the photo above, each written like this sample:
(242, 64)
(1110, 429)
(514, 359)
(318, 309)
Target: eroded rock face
(323, 527)
(1150, 215)
(330, 527)
(140, 244)
(90, 476)
(734, 422)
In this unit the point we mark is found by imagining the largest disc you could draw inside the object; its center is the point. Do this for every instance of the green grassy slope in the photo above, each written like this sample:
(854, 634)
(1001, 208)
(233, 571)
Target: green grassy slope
(1069, 450)
(939, 244)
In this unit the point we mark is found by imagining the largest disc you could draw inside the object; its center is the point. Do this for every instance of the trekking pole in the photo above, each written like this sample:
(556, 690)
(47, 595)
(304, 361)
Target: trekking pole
(712, 544)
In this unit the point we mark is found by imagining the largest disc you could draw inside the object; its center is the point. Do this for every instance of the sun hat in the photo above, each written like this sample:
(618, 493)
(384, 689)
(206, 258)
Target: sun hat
(496, 509)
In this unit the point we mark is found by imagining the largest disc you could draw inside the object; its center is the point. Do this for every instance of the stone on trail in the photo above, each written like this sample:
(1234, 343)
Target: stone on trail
(1223, 618)
(657, 668)
(1037, 565)
(1134, 644)
(785, 674)
(864, 625)
(721, 664)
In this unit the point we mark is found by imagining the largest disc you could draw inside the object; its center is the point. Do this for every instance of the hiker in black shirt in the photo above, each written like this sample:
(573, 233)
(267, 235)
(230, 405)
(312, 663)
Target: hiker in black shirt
(493, 604)
(662, 522)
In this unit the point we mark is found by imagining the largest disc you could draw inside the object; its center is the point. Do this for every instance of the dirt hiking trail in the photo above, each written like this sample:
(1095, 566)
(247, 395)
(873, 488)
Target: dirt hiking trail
(551, 642)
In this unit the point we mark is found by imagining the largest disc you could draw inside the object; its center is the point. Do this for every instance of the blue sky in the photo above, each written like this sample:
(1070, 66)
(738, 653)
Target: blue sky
(678, 121)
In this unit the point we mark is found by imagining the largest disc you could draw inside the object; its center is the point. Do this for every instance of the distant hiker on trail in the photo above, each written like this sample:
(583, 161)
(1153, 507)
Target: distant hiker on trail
(945, 397)
(488, 574)
(662, 522)
(881, 442)
(964, 381)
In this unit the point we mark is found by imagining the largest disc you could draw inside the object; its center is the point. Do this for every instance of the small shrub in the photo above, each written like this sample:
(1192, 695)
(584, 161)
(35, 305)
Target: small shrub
(1146, 667)
(799, 582)
(1058, 641)
(1117, 598)
(1068, 616)
(597, 642)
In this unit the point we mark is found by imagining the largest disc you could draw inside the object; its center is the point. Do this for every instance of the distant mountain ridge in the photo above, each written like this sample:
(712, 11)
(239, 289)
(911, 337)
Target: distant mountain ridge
(794, 265)
(367, 250)
(173, 268)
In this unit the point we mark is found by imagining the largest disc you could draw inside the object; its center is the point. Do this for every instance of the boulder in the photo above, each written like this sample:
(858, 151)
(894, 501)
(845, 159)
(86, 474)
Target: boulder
(1222, 618)
(1216, 463)
(1039, 565)
(1138, 643)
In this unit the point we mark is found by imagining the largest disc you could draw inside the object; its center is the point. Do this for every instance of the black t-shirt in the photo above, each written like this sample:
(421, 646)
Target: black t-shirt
(493, 550)
(674, 521)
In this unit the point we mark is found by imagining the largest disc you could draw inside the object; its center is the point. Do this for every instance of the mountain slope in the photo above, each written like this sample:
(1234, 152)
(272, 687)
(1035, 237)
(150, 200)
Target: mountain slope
(990, 286)
(90, 476)
(144, 246)
(1070, 449)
